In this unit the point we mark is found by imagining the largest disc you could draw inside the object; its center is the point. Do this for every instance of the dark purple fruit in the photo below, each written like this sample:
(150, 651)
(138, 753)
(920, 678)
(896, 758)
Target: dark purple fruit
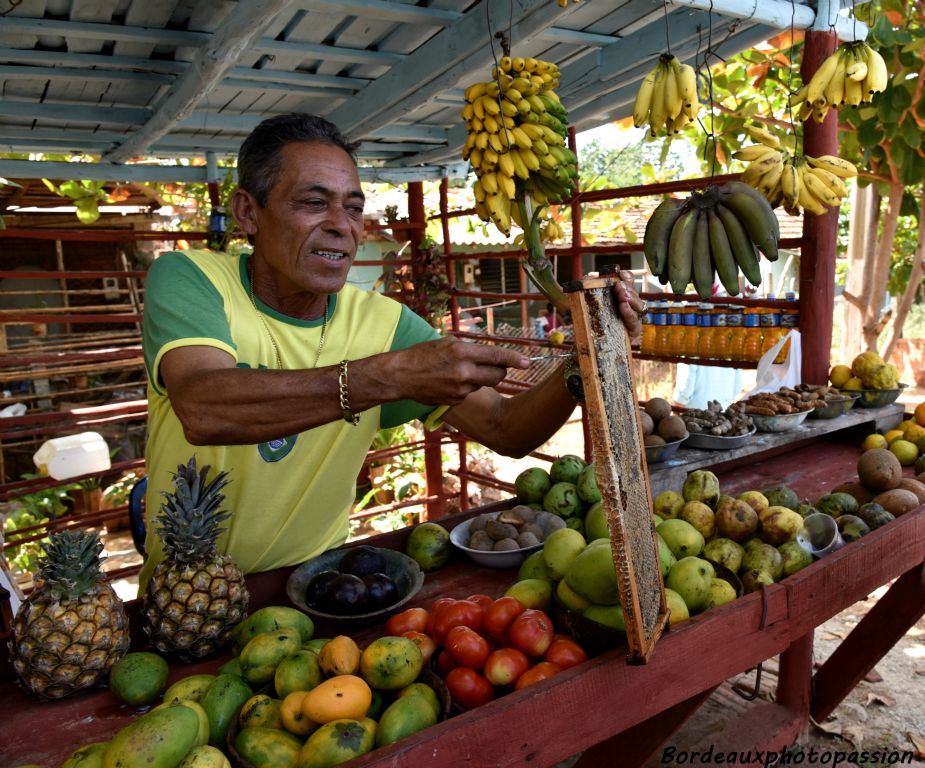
(316, 591)
(382, 590)
(346, 594)
(362, 561)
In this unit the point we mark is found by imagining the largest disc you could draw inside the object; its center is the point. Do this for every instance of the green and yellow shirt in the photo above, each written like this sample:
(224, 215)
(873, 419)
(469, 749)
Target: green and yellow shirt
(289, 498)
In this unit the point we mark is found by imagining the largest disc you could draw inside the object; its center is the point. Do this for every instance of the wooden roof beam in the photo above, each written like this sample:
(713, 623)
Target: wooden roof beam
(240, 29)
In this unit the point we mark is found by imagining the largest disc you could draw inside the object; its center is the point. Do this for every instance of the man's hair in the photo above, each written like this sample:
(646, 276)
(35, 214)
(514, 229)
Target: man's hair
(260, 156)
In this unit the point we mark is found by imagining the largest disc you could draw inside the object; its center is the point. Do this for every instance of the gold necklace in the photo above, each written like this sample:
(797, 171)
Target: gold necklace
(279, 362)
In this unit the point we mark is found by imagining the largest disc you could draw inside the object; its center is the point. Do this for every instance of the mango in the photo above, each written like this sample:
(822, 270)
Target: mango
(560, 549)
(390, 663)
(88, 756)
(205, 757)
(160, 738)
(299, 672)
(267, 747)
(190, 688)
(404, 716)
(338, 698)
(138, 678)
(204, 727)
(593, 576)
(690, 577)
(221, 703)
(260, 711)
(269, 619)
(336, 742)
(263, 653)
(340, 656)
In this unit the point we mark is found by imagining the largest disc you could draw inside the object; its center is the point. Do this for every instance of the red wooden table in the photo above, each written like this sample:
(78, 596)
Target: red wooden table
(613, 712)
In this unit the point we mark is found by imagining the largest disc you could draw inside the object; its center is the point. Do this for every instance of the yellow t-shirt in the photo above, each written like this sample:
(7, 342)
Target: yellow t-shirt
(289, 498)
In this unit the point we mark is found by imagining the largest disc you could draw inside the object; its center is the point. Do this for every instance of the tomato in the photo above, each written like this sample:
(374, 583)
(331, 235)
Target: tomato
(424, 642)
(536, 673)
(445, 663)
(458, 613)
(468, 688)
(467, 647)
(438, 604)
(499, 616)
(409, 620)
(565, 652)
(531, 632)
(483, 600)
(505, 666)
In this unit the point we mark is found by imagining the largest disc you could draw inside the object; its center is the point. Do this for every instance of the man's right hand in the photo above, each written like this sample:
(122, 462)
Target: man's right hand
(446, 371)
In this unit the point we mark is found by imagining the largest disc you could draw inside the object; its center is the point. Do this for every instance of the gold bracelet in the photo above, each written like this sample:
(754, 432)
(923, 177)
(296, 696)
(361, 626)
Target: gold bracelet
(349, 416)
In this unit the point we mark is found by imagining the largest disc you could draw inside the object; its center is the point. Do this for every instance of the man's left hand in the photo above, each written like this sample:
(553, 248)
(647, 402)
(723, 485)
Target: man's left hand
(630, 306)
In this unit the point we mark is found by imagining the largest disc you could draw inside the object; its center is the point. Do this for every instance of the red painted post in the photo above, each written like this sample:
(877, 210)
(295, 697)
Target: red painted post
(817, 256)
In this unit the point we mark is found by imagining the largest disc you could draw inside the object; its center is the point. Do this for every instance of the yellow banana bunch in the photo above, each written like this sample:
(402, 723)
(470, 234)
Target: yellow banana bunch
(516, 143)
(851, 75)
(714, 233)
(667, 98)
(796, 182)
(563, 3)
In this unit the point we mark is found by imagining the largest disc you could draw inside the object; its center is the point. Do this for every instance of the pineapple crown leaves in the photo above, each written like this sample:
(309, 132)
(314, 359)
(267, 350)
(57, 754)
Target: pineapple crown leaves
(71, 565)
(190, 518)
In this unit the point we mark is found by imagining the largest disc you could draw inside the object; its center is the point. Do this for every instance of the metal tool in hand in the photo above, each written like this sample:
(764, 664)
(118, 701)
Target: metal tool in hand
(553, 356)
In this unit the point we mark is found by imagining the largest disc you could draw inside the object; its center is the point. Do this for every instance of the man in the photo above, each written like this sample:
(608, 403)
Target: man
(281, 373)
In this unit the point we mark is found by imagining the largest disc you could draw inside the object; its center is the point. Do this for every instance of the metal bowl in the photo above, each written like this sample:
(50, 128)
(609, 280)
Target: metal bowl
(833, 408)
(877, 398)
(656, 453)
(511, 558)
(782, 422)
(403, 570)
(717, 442)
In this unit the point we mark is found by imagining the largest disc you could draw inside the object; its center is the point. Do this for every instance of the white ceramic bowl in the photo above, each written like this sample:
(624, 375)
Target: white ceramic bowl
(511, 558)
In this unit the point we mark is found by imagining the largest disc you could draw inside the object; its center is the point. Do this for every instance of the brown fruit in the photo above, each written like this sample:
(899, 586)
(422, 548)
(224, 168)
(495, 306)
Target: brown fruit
(648, 426)
(658, 408)
(854, 488)
(897, 501)
(879, 470)
(736, 520)
(916, 486)
(653, 440)
(672, 428)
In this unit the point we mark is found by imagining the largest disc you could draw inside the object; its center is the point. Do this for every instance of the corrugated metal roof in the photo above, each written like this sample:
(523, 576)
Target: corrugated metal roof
(174, 78)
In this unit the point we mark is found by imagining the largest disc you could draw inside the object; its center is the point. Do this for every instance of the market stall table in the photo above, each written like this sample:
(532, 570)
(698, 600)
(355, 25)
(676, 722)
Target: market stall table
(613, 712)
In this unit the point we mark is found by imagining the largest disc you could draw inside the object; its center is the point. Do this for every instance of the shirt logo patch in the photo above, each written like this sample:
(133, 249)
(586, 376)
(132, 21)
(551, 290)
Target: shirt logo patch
(274, 450)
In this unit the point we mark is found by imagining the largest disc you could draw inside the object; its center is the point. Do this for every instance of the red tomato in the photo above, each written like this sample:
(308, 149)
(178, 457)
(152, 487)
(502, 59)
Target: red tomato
(409, 620)
(505, 666)
(531, 632)
(483, 600)
(467, 647)
(458, 613)
(438, 604)
(468, 688)
(499, 616)
(565, 652)
(445, 663)
(536, 673)
(424, 642)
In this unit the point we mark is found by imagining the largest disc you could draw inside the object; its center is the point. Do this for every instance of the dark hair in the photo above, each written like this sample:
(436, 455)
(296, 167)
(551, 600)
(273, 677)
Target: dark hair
(259, 158)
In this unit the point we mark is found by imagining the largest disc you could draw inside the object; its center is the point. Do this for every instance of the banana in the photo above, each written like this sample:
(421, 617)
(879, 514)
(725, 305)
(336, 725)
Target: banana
(702, 264)
(840, 167)
(474, 91)
(753, 152)
(853, 92)
(834, 92)
(489, 183)
(769, 183)
(495, 142)
(743, 249)
(821, 77)
(680, 247)
(856, 71)
(476, 158)
(520, 169)
(658, 231)
(479, 191)
(499, 207)
(687, 84)
(763, 136)
(755, 212)
(528, 157)
(644, 95)
(658, 112)
(799, 97)
(836, 185)
(758, 168)
(673, 102)
(807, 200)
(790, 184)
(877, 75)
(819, 190)
(490, 124)
(723, 257)
(506, 164)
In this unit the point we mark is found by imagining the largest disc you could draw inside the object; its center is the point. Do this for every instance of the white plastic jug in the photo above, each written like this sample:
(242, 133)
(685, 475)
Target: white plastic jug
(72, 456)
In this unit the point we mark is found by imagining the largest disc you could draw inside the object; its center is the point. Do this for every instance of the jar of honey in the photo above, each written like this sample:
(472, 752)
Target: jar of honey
(770, 331)
(689, 324)
(660, 321)
(675, 336)
(648, 334)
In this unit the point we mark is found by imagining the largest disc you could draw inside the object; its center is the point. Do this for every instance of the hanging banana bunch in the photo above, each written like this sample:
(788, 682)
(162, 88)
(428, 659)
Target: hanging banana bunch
(717, 232)
(851, 75)
(796, 182)
(517, 131)
(563, 3)
(667, 98)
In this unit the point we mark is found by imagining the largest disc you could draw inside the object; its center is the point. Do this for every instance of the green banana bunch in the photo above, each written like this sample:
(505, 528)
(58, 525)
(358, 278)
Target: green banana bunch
(516, 143)
(796, 182)
(714, 233)
(667, 97)
(851, 75)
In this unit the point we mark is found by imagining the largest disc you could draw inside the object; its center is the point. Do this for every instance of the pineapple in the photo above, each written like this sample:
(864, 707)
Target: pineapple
(73, 627)
(196, 595)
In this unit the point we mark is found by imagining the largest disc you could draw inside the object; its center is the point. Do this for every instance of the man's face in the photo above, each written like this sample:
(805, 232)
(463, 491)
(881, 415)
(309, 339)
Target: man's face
(312, 224)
